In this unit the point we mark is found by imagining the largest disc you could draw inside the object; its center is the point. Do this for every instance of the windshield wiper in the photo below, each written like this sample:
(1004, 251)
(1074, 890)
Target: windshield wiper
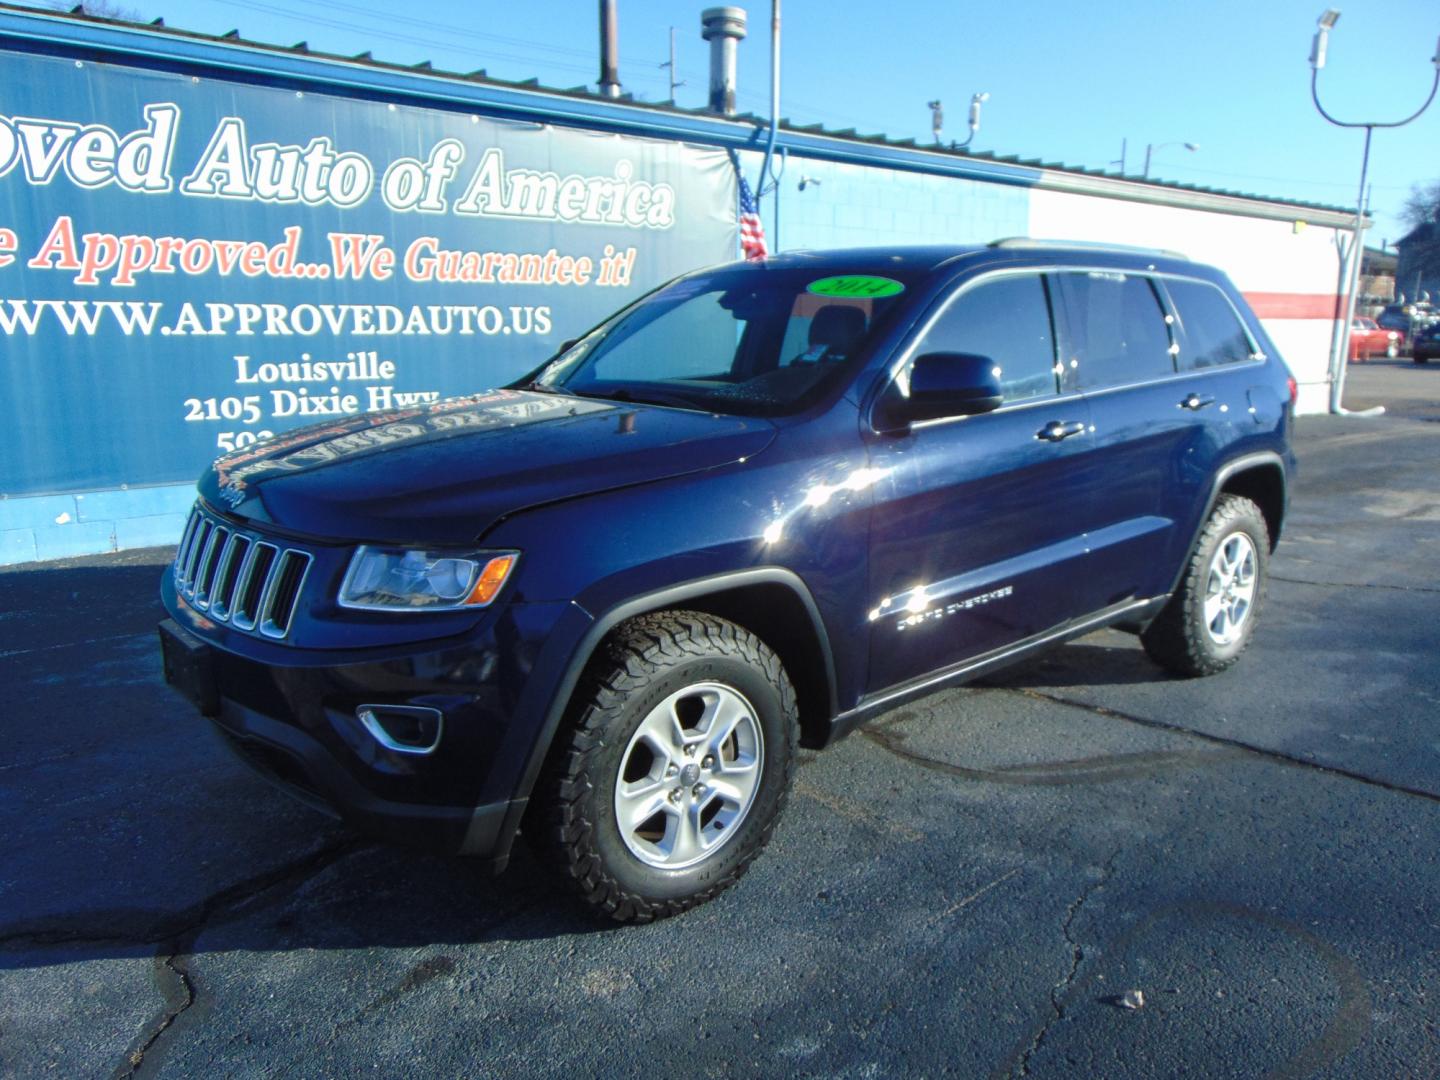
(645, 397)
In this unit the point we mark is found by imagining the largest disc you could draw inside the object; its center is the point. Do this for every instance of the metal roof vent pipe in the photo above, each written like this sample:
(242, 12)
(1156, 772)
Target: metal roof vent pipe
(609, 50)
(722, 27)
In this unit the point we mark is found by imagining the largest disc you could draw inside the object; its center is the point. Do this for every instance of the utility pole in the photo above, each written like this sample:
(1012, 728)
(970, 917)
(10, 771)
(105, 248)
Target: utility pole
(1152, 147)
(675, 83)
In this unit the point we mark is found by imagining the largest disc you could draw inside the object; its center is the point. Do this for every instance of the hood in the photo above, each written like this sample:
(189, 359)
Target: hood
(445, 473)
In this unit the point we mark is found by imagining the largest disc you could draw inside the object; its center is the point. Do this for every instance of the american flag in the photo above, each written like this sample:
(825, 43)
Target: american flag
(752, 233)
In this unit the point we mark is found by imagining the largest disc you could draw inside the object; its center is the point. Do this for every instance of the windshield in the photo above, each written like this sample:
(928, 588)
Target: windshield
(750, 341)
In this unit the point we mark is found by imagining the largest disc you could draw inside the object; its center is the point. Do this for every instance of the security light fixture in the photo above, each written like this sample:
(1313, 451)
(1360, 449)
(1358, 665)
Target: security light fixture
(1340, 343)
(976, 101)
(1323, 26)
(1150, 148)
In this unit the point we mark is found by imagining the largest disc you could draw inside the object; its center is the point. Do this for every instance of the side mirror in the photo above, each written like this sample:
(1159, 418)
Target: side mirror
(944, 384)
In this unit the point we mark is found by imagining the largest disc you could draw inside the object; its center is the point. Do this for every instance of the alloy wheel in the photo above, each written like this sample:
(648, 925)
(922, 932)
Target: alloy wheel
(689, 776)
(1230, 588)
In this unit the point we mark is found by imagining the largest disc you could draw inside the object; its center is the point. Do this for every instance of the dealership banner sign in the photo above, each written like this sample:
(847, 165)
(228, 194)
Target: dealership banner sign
(190, 265)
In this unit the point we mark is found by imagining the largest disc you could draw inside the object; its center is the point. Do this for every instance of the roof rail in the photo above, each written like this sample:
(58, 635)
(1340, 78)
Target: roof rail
(1024, 243)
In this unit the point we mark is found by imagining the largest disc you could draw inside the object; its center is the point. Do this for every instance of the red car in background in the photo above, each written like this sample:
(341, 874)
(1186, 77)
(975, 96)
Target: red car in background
(1368, 339)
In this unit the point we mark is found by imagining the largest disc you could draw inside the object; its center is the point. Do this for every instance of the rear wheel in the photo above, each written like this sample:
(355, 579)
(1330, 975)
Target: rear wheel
(675, 765)
(1209, 621)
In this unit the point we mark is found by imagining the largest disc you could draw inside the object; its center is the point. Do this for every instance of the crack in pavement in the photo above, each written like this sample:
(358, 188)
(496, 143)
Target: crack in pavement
(179, 996)
(1222, 740)
(1060, 991)
(1354, 585)
(175, 936)
(167, 928)
(174, 957)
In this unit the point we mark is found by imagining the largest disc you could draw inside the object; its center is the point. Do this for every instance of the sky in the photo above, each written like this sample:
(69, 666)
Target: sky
(1068, 82)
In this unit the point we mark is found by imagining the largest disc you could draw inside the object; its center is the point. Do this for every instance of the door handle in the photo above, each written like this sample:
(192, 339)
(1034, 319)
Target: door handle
(1196, 402)
(1057, 430)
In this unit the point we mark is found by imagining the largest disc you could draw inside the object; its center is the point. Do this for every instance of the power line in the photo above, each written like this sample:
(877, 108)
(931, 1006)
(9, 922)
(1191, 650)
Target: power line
(1288, 179)
(457, 31)
(395, 36)
(638, 73)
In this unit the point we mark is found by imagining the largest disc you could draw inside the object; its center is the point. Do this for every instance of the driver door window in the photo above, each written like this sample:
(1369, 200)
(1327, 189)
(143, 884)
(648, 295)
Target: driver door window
(1007, 320)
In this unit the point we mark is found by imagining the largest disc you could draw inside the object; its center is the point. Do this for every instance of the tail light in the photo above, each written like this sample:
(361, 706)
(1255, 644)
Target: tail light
(1294, 389)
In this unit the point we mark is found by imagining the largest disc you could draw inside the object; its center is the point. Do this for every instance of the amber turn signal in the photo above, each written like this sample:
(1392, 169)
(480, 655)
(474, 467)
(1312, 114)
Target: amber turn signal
(491, 578)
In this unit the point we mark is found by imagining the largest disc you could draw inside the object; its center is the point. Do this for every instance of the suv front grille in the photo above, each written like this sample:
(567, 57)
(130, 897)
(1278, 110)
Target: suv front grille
(239, 577)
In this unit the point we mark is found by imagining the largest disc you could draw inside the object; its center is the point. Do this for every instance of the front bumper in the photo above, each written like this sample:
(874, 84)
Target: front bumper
(294, 715)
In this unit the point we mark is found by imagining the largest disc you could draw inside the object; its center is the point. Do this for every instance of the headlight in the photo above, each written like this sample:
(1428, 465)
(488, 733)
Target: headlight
(381, 579)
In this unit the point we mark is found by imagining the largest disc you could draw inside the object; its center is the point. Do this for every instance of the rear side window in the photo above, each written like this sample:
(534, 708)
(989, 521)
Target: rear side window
(1008, 320)
(1211, 333)
(1116, 330)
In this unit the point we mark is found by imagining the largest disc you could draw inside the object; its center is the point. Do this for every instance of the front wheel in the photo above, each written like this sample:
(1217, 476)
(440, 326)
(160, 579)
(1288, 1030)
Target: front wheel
(1209, 621)
(674, 767)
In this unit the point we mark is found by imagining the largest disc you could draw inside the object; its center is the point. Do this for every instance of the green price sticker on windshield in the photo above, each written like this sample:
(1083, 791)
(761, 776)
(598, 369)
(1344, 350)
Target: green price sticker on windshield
(856, 286)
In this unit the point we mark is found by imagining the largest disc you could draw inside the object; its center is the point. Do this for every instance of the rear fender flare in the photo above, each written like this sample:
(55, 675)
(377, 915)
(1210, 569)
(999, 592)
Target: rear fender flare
(1264, 459)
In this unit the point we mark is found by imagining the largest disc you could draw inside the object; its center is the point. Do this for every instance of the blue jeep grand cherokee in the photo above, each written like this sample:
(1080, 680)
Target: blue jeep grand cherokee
(759, 505)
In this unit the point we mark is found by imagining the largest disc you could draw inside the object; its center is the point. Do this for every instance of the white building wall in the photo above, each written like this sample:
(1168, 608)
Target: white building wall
(1290, 274)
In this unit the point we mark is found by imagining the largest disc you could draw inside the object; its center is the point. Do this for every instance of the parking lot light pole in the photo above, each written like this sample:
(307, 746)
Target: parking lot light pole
(1341, 347)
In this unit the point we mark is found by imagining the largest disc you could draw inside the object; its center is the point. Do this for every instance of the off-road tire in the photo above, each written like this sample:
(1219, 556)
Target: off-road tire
(641, 663)
(1178, 639)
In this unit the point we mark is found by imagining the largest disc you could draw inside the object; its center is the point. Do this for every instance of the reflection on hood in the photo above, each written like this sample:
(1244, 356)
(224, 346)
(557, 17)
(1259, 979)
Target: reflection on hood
(323, 444)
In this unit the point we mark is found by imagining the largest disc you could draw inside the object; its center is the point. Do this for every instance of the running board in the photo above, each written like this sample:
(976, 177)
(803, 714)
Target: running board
(1129, 611)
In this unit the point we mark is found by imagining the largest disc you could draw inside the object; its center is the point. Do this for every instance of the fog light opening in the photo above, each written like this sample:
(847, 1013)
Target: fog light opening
(405, 729)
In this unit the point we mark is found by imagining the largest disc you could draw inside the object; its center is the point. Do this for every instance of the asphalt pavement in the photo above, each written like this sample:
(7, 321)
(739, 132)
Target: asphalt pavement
(970, 886)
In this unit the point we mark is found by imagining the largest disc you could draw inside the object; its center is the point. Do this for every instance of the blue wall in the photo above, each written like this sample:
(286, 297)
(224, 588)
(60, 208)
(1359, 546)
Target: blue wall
(858, 206)
(62, 526)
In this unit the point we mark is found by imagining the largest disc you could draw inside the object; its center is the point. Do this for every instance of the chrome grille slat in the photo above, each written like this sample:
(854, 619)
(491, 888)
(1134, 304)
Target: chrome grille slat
(282, 592)
(238, 615)
(227, 575)
(196, 547)
(239, 577)
(249, 603)
(183, 552)
(209, 563)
